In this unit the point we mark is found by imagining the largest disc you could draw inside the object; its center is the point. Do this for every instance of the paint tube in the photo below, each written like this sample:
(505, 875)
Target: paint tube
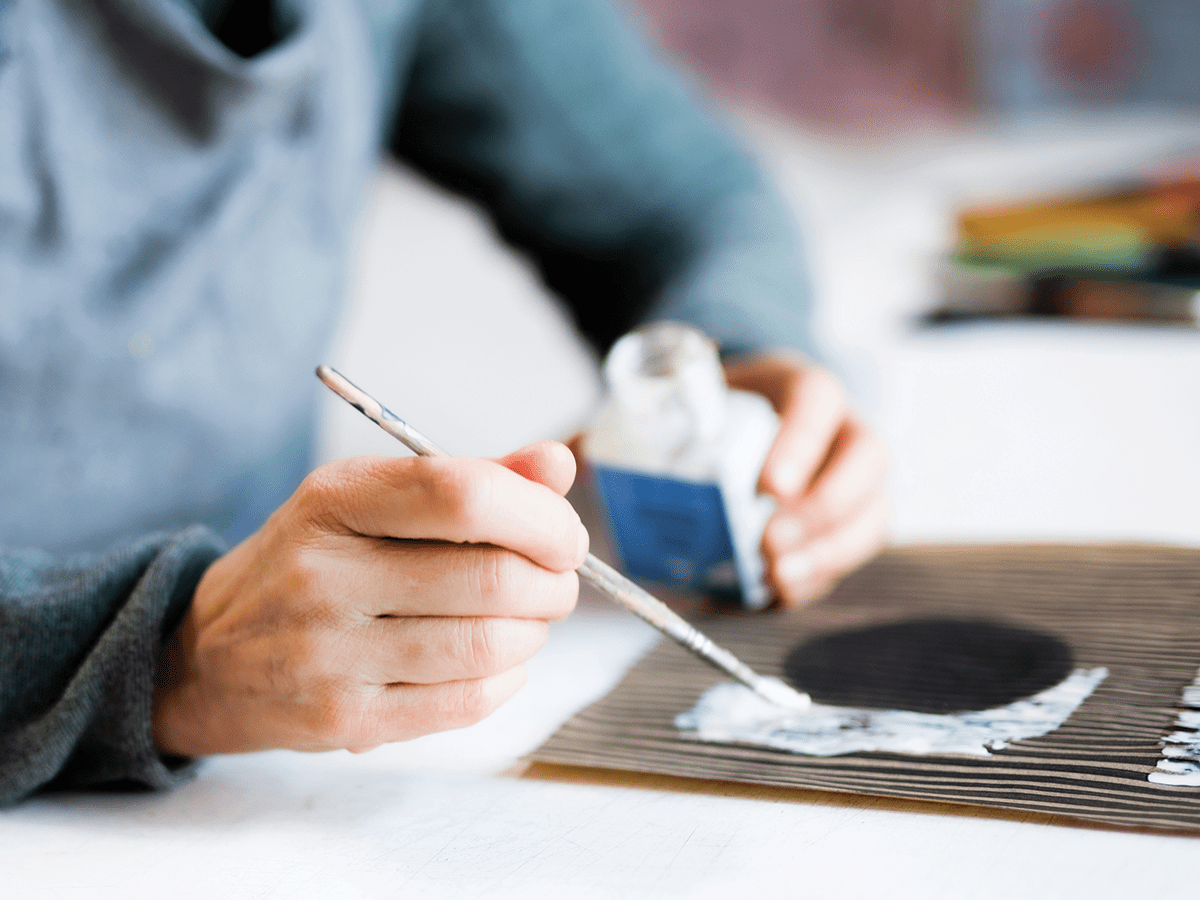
(675, 457)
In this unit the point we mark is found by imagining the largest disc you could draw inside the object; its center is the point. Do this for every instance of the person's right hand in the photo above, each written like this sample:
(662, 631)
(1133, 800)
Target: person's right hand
(386, 599)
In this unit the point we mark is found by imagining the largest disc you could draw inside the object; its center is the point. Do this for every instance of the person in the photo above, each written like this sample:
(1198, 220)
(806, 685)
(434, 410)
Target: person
(178, 186)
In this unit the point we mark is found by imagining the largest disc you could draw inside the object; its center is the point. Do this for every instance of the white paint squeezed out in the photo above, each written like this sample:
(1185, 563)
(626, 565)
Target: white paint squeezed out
(1180, 765)
(731, 713)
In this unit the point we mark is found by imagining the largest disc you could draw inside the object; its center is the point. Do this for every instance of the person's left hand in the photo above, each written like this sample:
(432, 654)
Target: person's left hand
(826, 471)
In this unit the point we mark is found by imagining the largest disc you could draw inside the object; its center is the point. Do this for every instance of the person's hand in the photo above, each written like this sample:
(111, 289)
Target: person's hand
(826, 471)
(386, 599)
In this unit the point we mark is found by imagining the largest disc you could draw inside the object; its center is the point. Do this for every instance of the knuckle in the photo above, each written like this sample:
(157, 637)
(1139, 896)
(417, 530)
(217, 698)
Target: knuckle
(472, 701)
(462, 494)
(483, 645)
(304, 575)
(330, 481)
(297, 664)
(322, 480)
(318, 493)
(530, 591)
(306, 591)
(494, 574)
(334, 496)
(336, 718)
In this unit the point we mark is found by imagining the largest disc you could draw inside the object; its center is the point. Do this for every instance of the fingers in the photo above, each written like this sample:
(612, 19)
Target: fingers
(803, 575)
(811, 415)
(434, 650)
(546, 462)
(812, 407)
(406, 711)
(354, 687)
(406, 578)
(852, 476)
(853, 473)
(387, 598)
(401, 712)
(826, 470)
(460, 500)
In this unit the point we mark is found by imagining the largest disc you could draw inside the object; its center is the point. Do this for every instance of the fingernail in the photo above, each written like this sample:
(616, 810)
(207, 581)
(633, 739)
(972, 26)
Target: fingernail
(794, 569)
(787, 531)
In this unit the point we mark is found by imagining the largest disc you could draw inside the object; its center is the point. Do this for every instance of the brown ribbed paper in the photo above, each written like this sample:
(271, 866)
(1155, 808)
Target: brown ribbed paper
(1132, 609)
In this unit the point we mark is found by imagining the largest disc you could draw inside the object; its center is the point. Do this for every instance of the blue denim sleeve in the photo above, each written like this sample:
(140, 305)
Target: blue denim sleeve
(78, 641)
(596, 158)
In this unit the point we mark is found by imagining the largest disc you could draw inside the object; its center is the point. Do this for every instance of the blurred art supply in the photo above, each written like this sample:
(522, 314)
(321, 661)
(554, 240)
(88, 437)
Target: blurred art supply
(1053, 680)
(675, 457)
(1128, 229)
(971, 292)
(1130, 254)
(598, 573)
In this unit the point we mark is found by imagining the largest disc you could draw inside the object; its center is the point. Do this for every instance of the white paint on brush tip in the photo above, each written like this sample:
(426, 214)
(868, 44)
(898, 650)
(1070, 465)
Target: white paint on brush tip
(732, 713)
(1180, 765)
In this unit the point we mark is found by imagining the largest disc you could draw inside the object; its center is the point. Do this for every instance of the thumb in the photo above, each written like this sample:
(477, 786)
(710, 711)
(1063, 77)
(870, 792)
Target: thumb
(546, 462)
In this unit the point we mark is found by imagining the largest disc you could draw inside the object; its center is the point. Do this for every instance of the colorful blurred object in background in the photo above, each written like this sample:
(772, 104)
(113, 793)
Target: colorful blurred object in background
(1130, 254)
(1109, 246)
(894, 63)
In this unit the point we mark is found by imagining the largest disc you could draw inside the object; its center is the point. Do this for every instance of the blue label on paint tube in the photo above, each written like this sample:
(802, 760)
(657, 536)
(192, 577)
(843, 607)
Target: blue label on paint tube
(670, 531)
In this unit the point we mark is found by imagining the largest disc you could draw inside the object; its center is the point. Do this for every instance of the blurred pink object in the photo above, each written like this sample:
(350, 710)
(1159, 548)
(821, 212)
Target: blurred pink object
(842, 63)
(1092, 47)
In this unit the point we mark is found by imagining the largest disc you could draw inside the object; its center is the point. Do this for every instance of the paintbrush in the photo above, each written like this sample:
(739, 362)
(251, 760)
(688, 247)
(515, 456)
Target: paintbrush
(601, 575)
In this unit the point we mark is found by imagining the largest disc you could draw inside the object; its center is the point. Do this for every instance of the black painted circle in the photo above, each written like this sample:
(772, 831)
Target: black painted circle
(928, 665)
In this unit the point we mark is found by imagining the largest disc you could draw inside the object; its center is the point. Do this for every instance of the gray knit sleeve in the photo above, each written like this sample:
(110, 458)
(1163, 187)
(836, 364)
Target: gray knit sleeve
(78, 641)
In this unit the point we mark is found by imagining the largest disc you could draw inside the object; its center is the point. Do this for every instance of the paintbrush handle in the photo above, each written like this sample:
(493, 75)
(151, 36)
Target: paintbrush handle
(604, 577)
(650, 609)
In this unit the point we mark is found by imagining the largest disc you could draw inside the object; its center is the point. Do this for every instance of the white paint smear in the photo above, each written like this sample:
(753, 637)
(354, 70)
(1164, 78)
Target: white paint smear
(731, 713)
(1180, 765)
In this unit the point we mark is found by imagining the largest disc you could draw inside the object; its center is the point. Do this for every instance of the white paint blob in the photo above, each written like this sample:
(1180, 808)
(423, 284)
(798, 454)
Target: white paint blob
(1180, 765)
(783, 694)
(731, 713)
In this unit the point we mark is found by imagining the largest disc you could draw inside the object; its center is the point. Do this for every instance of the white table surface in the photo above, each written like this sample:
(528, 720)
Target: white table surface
(1014, 432)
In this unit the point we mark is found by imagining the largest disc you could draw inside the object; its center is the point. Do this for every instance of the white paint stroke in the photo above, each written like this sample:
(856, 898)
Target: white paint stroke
(731, 713)
(1180, 765)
